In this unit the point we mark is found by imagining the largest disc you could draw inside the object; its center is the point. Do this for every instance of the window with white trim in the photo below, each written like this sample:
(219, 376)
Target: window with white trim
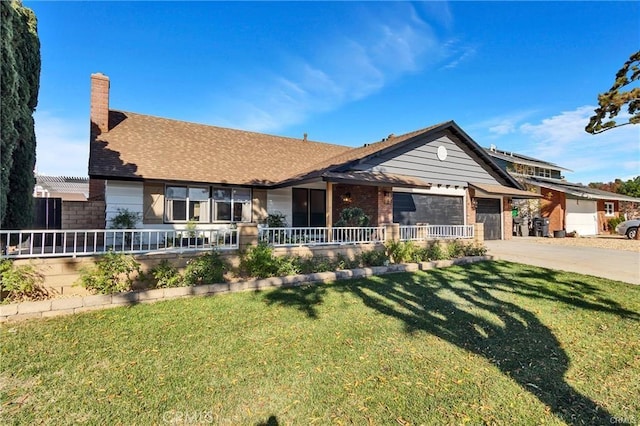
(207, 204)
(184, 203)
(609, 208)
(544, 172)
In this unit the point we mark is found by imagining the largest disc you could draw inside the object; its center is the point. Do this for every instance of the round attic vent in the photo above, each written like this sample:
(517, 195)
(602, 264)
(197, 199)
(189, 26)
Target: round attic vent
(442, 153)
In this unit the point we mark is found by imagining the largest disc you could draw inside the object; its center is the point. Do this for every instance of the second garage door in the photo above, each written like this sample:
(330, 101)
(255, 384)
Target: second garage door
(582, 217)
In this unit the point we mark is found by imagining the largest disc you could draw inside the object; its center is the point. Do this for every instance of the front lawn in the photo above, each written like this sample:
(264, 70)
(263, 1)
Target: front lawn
(491, 342)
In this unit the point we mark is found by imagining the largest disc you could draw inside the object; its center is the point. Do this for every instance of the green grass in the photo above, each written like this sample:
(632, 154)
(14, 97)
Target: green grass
(492, 342)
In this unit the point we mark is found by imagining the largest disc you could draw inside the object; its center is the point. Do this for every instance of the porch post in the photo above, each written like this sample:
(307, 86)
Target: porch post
(329, 211)
(247, 235)
(478, 232)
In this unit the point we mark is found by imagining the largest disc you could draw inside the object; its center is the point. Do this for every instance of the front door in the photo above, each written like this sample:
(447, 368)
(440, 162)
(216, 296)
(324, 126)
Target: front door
(308, 207)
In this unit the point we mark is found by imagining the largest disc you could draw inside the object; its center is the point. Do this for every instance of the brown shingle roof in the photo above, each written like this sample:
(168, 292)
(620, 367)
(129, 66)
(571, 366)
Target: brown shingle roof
(146, 147)
(141, 146)
(346, 157)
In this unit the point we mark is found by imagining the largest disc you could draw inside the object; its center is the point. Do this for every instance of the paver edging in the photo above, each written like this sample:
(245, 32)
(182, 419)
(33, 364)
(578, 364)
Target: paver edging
(68, 306)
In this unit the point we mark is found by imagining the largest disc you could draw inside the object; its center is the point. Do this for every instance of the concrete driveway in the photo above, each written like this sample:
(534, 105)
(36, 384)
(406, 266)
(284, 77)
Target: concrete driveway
(607, 263)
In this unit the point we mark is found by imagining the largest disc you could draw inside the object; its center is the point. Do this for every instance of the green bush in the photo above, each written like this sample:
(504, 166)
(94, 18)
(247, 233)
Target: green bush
(475, 249)
(20, 282)
(287, 265)
(374, 258)
(401, 251)
(613, 222)
(112, 273)
(259, 261)
(310, 264)
(344, 262)
(166, 275)
(352, 216)
(434, 251)
(276, 220)
(455, 249)
(205, 269)
(125, 219)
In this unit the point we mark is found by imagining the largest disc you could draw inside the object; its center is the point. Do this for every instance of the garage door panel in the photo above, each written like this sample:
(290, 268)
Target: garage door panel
(582, 217)
(488, 213)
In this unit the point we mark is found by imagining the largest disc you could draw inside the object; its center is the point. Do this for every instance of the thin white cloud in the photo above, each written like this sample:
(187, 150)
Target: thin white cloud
(502, 125)
(341, 69)
(561, 139)
(462, 54)
(62, 146)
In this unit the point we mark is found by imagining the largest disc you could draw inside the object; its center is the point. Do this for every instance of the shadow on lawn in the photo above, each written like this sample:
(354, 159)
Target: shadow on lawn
(460, 306)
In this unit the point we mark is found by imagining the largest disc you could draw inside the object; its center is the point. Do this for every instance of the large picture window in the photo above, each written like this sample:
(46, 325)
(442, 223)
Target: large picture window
(206, 204)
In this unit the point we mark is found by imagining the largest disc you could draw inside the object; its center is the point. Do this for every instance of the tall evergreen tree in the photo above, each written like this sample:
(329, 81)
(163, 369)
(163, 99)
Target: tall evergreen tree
(19, 85)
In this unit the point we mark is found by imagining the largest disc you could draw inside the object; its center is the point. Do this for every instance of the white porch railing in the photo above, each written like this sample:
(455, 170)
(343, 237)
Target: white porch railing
(315, 236)
(86, 242)
(434, 232)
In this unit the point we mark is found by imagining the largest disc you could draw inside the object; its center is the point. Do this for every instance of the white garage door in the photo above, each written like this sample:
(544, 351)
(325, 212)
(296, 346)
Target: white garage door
(582, 217)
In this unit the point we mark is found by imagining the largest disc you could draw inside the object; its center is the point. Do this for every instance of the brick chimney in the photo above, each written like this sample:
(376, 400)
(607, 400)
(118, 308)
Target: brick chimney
(99, 104)
(99, 124)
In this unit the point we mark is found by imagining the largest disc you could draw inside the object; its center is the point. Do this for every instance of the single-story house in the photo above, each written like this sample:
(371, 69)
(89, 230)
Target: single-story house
(570, 207)
(172, 172)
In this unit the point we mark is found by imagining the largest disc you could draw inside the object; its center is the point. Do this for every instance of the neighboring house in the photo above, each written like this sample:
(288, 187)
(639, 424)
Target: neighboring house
(61, 202)
(570, 207)
(64, 187)
(172, 172)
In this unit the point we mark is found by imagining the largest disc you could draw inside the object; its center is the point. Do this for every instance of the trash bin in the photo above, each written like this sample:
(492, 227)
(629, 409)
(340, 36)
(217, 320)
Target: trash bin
(541, 227)
(517, 227)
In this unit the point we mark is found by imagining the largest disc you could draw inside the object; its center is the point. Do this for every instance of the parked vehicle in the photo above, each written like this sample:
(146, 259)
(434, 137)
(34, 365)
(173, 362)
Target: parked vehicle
(628, 228)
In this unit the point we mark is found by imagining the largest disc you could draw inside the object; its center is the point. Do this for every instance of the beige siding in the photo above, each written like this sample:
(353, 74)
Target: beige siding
(153, 203)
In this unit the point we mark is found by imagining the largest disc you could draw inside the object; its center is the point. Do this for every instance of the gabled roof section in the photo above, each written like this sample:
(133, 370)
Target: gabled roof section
(145, 147)
(579, 190)
(342, 161)
(513, 157)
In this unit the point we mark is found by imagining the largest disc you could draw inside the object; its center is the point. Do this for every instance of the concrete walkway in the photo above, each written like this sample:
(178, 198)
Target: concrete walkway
(606, 263)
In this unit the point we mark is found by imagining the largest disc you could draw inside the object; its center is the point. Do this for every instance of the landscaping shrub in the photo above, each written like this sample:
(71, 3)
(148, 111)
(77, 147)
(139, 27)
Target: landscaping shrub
(455, 249)
(434, 251)
(374, 258)
(613, 222)
(352, 216)
(166, 275)
(287, 265)
(259, 261)
(124, 219)
(205, 269)
(310, 264)
(401, 251)
(277, 220)
(475, 249)
(112, 273)
(20, 282)
(344, 262)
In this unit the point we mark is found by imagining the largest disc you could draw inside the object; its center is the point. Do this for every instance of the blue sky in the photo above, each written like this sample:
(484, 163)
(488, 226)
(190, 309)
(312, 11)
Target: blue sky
(523, 76)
